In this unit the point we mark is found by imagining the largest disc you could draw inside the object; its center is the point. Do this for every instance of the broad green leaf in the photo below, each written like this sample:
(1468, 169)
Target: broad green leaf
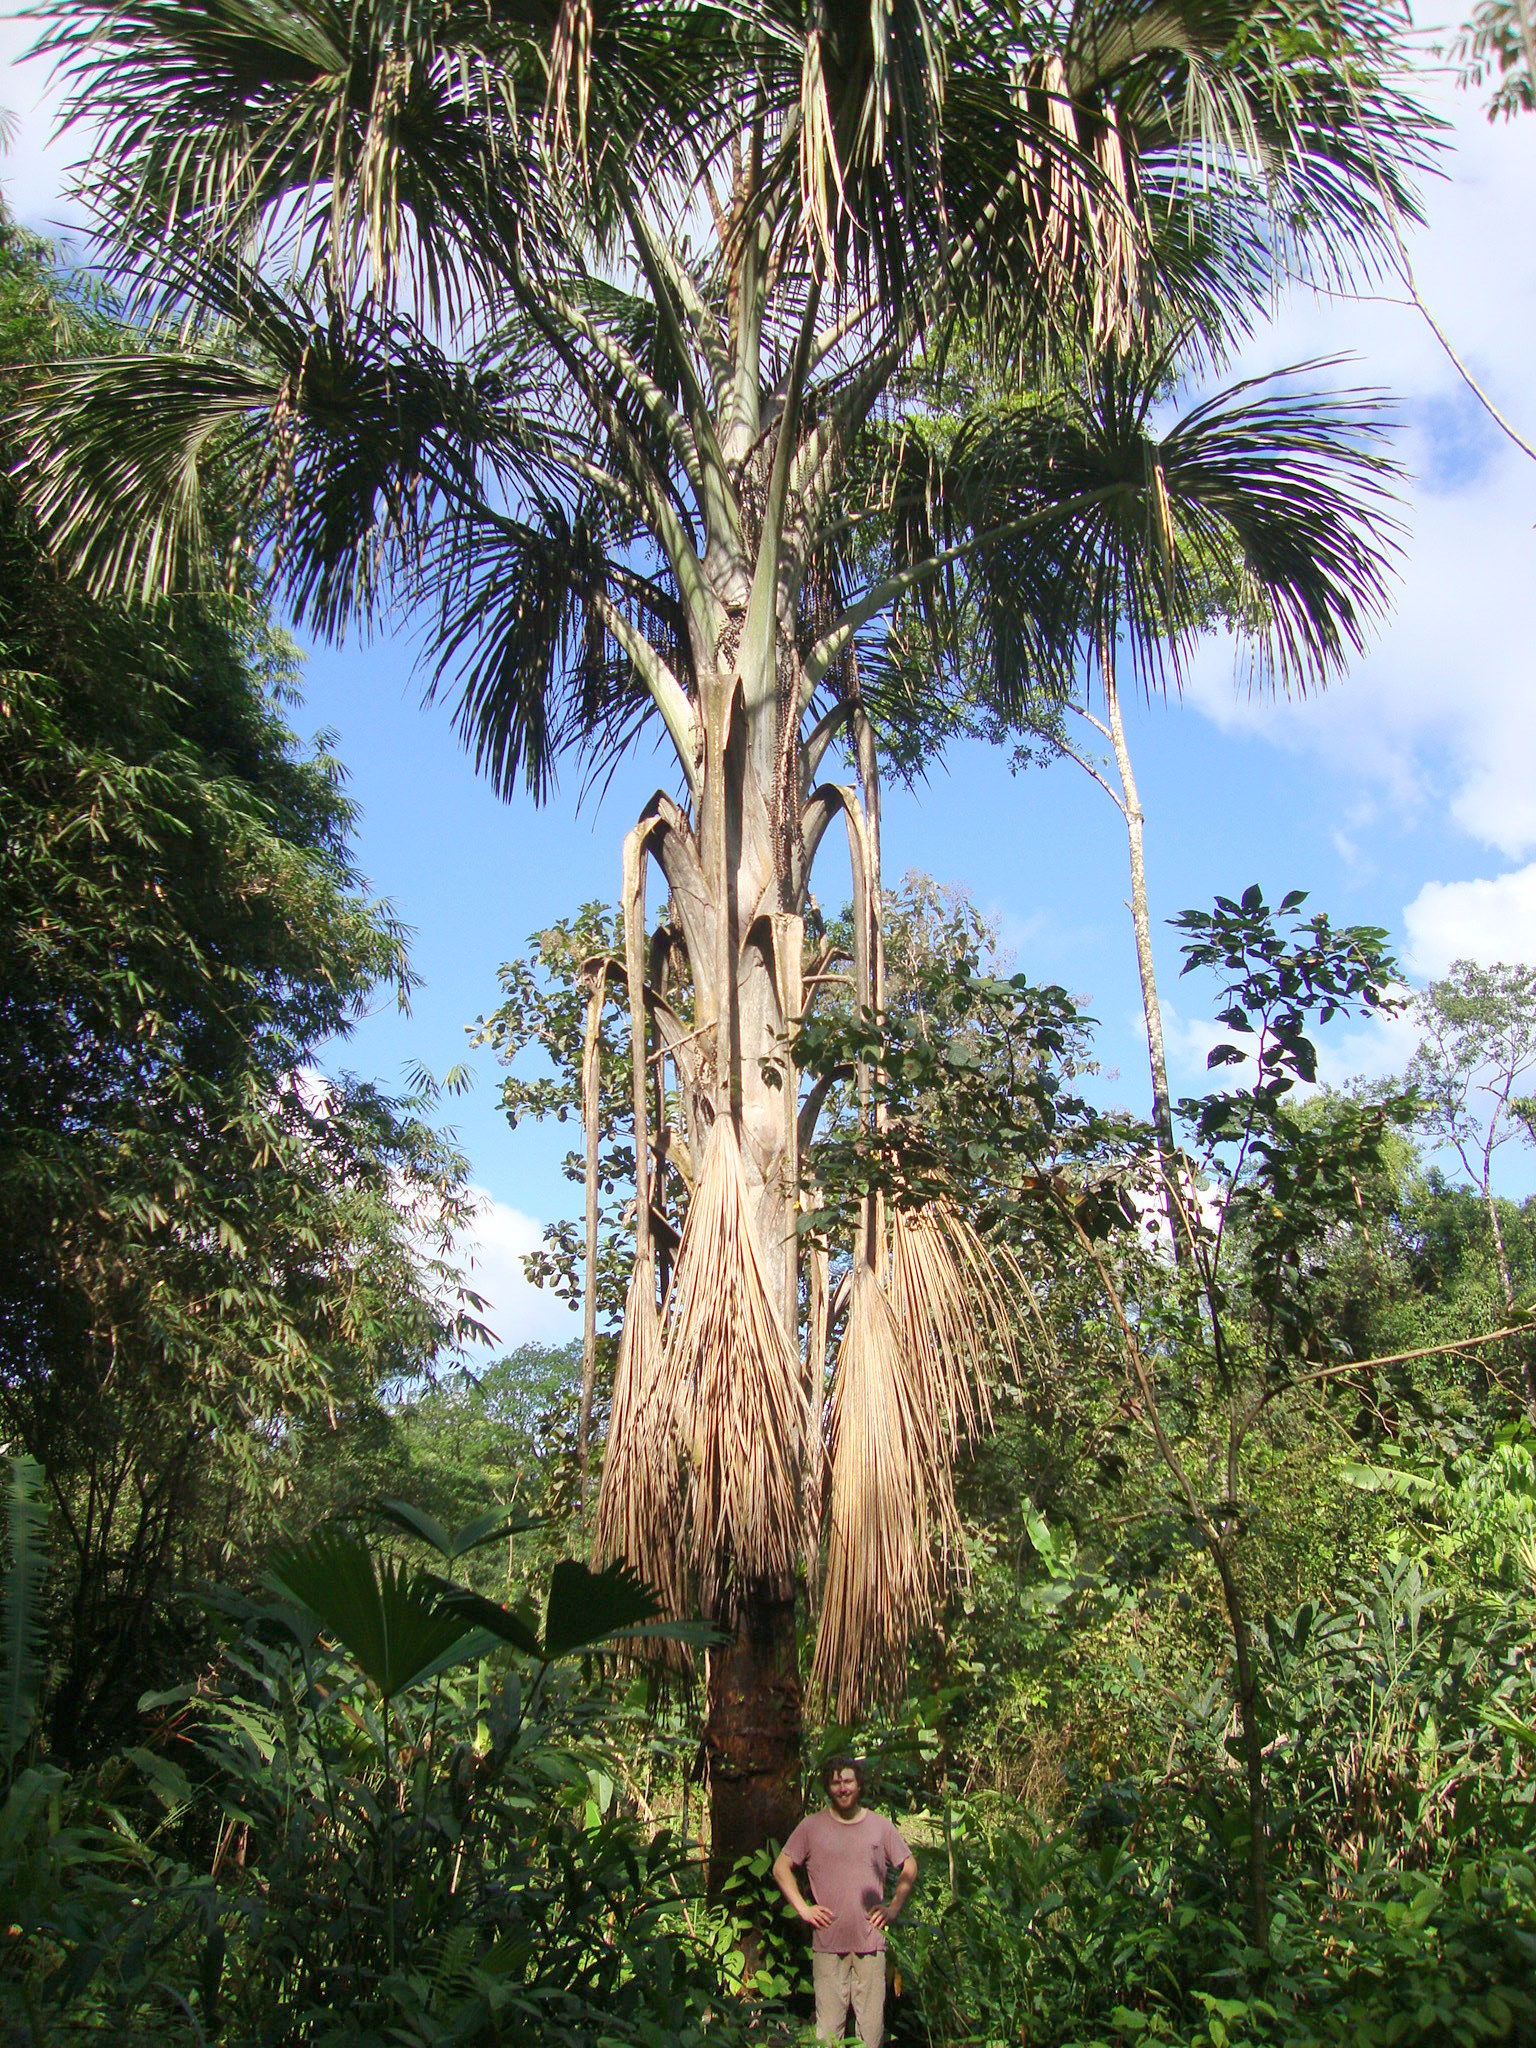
(449, 1544)
(587, 1607)
(391, 1622)
(416, 1522)
(501, 1623)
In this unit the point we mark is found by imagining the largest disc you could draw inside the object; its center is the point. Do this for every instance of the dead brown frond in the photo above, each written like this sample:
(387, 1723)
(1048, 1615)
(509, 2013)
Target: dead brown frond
(732, 1388)
(640, 1502)
(912, 1388)
(817, 1469)
(880, 1564)
(951, 1303)
(1115, 240)
(570, 66)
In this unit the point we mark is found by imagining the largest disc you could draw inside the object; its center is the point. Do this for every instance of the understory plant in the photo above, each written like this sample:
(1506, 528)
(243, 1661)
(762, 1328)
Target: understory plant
(393, 1811)
(1403, 1890)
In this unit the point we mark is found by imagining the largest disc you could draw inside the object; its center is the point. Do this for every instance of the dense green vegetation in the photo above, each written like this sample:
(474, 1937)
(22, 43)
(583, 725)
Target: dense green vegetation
(276, 1847)
(206, 1239)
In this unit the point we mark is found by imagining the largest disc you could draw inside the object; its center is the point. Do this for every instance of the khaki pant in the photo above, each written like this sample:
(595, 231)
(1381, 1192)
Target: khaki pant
(842, 1981)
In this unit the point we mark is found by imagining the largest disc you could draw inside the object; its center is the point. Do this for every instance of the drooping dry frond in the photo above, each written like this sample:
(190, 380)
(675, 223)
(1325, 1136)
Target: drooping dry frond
(732, 1387)
(1061, 194)
(638, 1510)
(880, 1564)
(951, 1308)
(818, 1317)
(1116, 241)
(640, 1501)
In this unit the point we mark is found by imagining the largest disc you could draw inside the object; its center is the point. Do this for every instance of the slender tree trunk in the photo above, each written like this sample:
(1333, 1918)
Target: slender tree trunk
(1162, 1106)
(1253, 1749)
(590, 1109)
(1498, 1246)
(1523, 1345)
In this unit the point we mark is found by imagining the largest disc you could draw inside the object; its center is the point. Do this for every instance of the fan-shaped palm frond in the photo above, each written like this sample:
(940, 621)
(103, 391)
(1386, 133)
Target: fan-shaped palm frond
(391, 1620)
(403, 153)
(364, 143)
(525, 637)
(1267, 507)
(1284, 136)
(324, 449)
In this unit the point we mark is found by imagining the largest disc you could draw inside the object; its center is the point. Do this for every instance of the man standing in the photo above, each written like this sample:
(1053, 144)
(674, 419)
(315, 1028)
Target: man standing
(847, 1853)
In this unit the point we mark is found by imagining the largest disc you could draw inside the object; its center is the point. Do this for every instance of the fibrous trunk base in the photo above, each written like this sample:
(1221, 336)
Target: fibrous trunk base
(752, 1733)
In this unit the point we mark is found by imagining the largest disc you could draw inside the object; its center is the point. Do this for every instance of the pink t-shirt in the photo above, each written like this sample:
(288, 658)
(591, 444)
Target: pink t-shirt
(847, 1861)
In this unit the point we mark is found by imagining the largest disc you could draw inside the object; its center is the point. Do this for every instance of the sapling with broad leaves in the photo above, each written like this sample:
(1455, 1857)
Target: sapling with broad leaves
(1277, 1180)
(977, 1085)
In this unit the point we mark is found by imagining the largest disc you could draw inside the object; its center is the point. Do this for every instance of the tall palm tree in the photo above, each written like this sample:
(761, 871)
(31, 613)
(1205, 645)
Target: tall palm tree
(1267, 517)
(609, 328)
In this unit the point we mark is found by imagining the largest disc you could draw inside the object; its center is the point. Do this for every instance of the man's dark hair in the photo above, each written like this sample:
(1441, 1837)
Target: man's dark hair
(843, 1761)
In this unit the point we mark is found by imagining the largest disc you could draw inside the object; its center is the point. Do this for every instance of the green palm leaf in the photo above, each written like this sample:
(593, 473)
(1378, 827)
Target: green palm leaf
(1268, 508)
(490, 1527)
(391, 1621)
(402, 242)
(586, 1607)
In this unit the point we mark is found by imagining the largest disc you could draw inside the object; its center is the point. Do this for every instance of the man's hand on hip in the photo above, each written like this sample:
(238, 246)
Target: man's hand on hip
(815, 1916)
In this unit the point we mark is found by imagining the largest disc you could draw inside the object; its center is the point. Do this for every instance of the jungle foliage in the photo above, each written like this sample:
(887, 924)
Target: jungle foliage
(378, 1774)
(203, 1237)
(1156, 1499)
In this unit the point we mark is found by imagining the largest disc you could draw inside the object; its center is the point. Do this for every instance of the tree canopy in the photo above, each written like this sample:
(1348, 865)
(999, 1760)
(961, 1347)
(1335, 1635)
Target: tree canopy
(204, 1236)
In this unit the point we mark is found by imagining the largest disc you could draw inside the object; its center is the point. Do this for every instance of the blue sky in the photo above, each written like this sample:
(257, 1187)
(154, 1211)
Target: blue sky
(1406, 797)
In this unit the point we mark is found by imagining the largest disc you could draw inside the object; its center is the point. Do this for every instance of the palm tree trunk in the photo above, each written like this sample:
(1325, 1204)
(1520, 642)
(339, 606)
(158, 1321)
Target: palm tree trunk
(752, 1730)
(1162, 1107)
(754, 1707)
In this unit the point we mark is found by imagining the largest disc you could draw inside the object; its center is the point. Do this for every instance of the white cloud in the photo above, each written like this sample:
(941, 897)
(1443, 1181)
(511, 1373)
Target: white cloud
(1187, 1042)
(1440, 714)
(1486, 920)
(518, 1312)
(1370, 1049)
(36, 167)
